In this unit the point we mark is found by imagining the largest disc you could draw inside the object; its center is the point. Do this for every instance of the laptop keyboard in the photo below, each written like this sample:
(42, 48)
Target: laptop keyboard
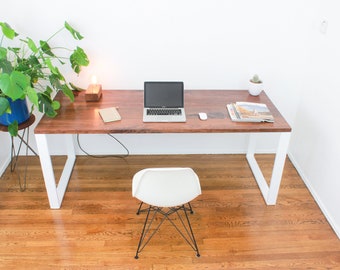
(166, 111)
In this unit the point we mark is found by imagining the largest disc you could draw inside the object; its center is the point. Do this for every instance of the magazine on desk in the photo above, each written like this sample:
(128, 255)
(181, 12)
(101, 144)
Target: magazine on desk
(249, 112)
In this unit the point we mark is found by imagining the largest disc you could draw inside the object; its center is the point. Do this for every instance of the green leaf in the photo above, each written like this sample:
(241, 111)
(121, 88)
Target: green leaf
(46, 48)
(22, 65)
(13, 128)
(75, 87)
(31, 45)
(16, 50)
(32, 95)
(33, 68)
(45, 105)
(78, 59)
(56, 105)
(67, 92)
(4, 105)
(4, 82)
(75, 33)
(3, 53)
(13, 85)
(55, 81)
(6, 66)
(52, 68)
(7, 30)
(48, 91)
(34, 62)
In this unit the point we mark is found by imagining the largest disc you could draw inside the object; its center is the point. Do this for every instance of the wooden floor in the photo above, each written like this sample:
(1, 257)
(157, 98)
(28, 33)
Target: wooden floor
(97, 227)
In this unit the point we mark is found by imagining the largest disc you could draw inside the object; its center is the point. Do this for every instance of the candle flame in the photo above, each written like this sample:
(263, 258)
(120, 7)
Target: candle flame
(94, 79)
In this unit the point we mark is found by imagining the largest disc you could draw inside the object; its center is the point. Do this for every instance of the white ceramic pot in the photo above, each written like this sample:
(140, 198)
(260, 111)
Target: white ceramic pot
(255, 88)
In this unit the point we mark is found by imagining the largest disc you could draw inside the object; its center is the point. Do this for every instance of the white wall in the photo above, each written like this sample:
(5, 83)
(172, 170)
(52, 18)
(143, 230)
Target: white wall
(5, 153)
(208, 44)
(211, 44)
(315, 144)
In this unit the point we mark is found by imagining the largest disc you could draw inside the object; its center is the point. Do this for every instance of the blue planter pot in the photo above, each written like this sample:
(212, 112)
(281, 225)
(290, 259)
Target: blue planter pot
(19, 112)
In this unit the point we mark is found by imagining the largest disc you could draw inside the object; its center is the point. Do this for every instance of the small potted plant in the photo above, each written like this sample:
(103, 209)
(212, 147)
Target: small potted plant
(31, 70)
(255, 85)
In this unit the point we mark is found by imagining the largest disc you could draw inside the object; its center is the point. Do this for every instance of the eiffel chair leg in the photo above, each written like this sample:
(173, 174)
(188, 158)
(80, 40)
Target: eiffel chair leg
(195, 247)
(190, 208)
(139, 208)
(147, 225)
(142, 236)
(187, 233)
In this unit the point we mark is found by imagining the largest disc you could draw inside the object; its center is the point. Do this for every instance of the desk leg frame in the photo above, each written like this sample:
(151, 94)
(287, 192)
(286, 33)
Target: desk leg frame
(55, 192)
(269, 192)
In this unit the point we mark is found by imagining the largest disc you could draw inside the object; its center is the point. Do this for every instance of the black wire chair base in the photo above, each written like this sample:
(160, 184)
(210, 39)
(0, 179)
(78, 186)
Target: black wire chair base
(185, 230)
(146, 209)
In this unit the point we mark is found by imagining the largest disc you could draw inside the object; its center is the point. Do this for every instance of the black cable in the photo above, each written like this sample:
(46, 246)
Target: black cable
(104, 156)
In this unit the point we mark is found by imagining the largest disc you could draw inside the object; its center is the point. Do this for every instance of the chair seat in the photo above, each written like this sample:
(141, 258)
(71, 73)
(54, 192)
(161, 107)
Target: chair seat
(166, 187)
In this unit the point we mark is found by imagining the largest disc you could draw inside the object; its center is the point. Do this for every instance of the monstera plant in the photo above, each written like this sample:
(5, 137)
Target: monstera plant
(31, 70)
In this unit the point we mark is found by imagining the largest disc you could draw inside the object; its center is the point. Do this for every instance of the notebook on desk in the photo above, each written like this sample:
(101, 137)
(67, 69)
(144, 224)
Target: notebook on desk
(164, 102)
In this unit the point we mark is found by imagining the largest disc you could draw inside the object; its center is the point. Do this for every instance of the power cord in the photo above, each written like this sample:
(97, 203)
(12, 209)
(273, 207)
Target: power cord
(104, 156)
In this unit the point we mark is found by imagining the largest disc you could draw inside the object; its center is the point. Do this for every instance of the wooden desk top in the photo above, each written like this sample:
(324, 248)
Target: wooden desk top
(81, 117)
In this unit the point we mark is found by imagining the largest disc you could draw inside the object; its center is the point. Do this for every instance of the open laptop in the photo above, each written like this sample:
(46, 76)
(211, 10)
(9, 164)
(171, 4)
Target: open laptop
(164, 102)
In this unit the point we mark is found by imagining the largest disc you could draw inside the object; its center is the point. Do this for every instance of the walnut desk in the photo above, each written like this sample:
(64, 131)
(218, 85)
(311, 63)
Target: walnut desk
(81, 117)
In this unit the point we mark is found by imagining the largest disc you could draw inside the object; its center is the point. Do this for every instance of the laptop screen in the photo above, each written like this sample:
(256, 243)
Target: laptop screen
(163, 94)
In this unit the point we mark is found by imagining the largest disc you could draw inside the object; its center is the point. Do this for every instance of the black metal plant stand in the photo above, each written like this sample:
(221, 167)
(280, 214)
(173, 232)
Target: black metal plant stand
(24, 140)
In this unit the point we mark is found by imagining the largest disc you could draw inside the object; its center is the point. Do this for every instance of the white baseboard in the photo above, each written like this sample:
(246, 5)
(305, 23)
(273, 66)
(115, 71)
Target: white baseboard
(323, 208)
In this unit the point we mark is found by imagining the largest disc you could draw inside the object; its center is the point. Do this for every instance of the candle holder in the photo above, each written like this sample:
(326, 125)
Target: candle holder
(94, 91)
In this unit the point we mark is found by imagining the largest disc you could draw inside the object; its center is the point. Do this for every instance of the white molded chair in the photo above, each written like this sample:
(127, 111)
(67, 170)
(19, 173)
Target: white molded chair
(169, 188)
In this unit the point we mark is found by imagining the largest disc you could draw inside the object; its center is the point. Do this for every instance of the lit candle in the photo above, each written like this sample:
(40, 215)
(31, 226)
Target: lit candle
(94, 86)
(94, 79)
(94, 91)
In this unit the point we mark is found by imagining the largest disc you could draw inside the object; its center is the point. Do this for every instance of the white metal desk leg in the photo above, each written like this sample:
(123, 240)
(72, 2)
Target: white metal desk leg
(279, 163)
(261, 181)
(269, 192)
(55, 192)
